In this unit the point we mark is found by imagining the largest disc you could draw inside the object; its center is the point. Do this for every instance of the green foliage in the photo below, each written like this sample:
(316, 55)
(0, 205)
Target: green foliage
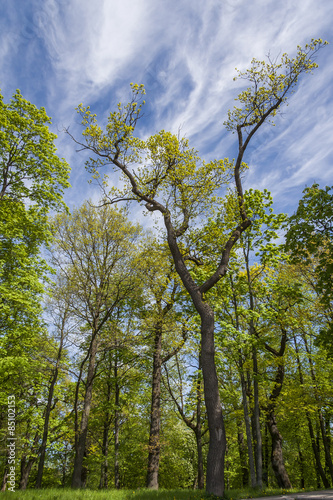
(310, 235)
(32, 179)
(30, 168)
(309, 239)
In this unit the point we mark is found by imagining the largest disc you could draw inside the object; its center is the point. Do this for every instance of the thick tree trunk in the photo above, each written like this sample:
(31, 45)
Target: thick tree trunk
(154, 434)
(26, 466)
(217, 437)
(277, 456)
(81, 442)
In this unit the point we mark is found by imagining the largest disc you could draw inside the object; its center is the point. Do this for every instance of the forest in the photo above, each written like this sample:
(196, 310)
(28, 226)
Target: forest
(194, 355)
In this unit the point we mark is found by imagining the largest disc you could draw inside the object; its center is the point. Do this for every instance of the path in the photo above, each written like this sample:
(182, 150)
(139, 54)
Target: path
(310, 495)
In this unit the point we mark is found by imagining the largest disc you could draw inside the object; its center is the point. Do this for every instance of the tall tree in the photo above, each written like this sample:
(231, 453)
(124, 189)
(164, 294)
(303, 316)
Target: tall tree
(32, 181)
(93, 250)
(176, 183)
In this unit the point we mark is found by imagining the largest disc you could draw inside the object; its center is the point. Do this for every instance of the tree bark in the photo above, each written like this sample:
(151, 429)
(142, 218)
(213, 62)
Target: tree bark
(81, 442)
(198, 435)
(217, 437)
(277, 455)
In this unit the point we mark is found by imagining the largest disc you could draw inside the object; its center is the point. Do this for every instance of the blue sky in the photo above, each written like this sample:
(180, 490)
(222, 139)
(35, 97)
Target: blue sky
(60, 53)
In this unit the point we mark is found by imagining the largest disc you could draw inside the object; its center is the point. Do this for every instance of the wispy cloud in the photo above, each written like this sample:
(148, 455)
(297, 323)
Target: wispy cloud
(61, 53)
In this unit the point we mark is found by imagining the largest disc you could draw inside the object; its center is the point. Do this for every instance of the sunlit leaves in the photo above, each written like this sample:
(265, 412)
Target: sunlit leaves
(30, 168)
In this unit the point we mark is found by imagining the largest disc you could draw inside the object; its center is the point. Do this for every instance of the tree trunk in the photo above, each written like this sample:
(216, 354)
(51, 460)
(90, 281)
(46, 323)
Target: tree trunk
(256, 410)
(248, 430)
(103, 483)
(26, 466)
(49, 407)
(155, 418)
(265, 457)
(81, 442)
(217, 437)
(256, 415)
(277, 456)
(201, 478)
(116, 426)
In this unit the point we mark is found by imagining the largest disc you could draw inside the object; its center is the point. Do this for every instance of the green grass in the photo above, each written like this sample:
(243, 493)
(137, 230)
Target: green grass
(143, 494)
(60, 494)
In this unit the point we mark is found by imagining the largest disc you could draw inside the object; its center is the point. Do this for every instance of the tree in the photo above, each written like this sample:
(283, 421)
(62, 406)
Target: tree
(32, 180)
(310, 234)
(93, 250)
(173, 181)
(309, 238)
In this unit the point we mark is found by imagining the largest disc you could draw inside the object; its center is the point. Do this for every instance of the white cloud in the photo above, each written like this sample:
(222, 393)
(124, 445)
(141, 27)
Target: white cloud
(186, 52)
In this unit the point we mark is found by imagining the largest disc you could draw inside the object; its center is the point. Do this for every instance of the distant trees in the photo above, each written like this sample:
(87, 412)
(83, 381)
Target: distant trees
(32, 181)
(94, 249)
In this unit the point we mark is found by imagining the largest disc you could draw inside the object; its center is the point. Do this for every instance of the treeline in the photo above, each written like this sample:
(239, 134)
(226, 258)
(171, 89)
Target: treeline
(196, 356)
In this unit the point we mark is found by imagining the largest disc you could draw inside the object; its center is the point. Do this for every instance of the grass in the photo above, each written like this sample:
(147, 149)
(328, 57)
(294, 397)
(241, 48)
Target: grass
(142, 494)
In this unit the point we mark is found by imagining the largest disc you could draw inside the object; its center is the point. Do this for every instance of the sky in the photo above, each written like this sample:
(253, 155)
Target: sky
(60, 53)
